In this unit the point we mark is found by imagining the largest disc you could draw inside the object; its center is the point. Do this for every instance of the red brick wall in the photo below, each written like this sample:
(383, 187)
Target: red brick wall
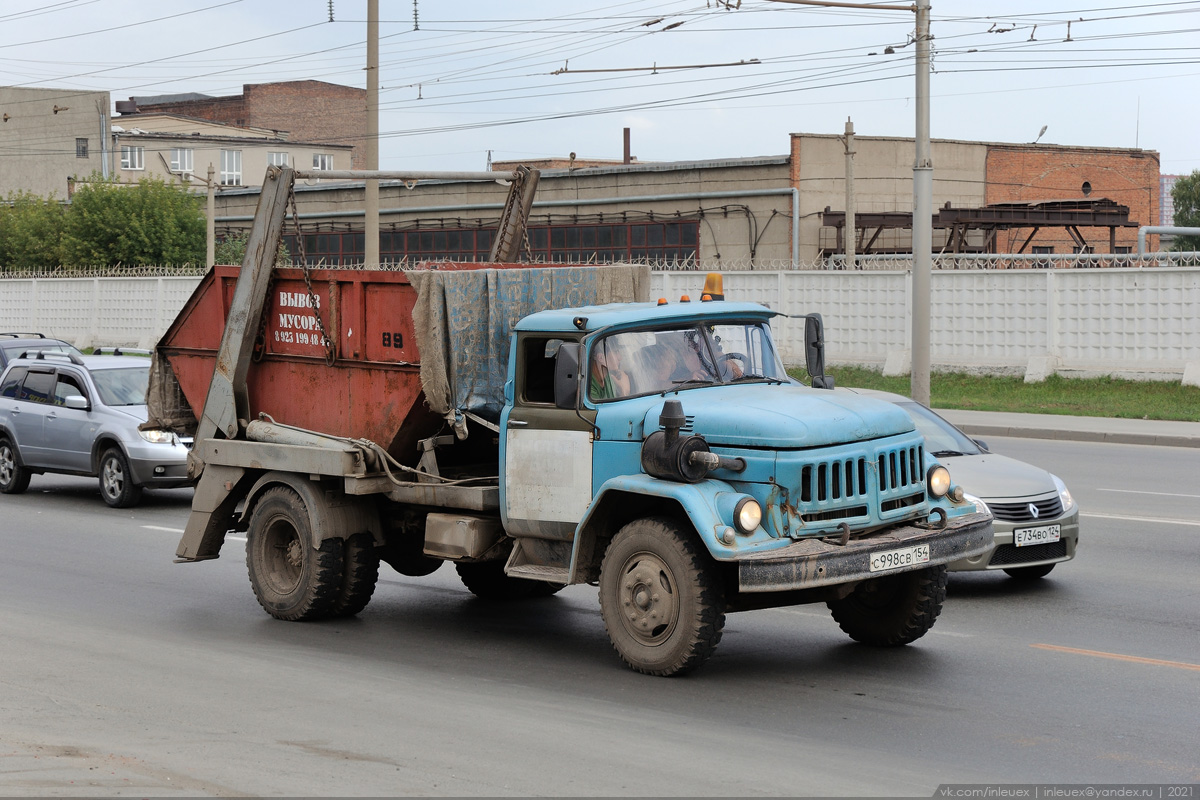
(1036, 173)
(310, 111)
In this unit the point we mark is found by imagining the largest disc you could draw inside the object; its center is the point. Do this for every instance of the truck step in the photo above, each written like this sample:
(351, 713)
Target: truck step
(539, 573)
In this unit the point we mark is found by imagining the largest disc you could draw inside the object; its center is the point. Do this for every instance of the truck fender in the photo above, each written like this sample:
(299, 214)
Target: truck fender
(628, 497)
(333, 515)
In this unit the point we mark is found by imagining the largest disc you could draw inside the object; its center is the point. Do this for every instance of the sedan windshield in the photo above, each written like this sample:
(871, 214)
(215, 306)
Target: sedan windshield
(941, 438)
(125, 386)
(663, 360)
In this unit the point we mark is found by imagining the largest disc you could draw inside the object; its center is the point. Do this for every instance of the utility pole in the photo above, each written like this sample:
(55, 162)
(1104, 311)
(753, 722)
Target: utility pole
(851, 229)
(210, 256)
(371, 221)
(922, 236)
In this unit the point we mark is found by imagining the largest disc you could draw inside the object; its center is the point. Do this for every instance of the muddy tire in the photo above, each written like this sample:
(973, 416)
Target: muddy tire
(291, 579)
(360, 573)
(892, 610)
(661, 598)
(487, 581)
(14, 478)
(116, 481)
(544, 589)
(1029, 573)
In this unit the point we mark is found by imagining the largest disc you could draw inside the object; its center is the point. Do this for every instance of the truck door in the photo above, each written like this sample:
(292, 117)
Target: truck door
(547, 451)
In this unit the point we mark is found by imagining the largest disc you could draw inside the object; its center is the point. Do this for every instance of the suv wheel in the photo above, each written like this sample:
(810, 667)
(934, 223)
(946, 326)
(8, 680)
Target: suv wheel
(14, 478)
(116, 481)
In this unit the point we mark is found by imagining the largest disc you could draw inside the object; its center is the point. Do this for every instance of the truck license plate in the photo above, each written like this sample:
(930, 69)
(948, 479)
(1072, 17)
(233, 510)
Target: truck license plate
(1045, 534)
(904, 557)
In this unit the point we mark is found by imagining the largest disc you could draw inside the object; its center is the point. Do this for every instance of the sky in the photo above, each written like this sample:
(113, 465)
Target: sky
(692, 79)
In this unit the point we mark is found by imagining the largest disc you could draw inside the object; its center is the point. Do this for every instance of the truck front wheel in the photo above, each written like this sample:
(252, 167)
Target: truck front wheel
(892, 610)
(661, 600)
(292, 579)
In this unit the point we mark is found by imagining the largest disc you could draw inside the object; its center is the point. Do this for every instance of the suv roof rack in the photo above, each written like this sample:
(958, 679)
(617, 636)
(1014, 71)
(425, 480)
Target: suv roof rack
(41, 355)
(118, 351)
(21, 334)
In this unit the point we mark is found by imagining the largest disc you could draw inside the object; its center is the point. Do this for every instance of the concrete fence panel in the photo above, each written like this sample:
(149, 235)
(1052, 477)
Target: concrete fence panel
(1136, 322)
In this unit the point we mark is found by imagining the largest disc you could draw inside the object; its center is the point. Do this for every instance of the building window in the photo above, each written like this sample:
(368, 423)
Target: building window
(1042, 250)
(231, 167)
(277, 159)
(181, 160)
(133, 157)
(1122, 250)
(81, 148)
(322, 161)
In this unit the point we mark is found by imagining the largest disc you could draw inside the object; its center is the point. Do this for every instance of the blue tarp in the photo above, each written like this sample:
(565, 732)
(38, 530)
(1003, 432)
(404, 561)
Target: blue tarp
(464, 320)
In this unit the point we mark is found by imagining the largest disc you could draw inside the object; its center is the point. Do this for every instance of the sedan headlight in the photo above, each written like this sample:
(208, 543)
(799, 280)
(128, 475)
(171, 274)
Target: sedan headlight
(157, 436)
(980, 505)
(747, 515)
(1064, 494)
(938, 481)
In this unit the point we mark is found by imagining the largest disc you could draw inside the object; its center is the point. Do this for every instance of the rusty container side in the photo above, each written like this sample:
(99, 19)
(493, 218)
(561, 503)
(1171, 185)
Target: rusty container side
(373, 389)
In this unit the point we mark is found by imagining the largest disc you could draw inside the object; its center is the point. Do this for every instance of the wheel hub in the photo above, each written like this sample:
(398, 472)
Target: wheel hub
(649, 600)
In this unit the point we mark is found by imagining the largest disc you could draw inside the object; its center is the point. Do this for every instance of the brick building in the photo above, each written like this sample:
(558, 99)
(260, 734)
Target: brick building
(308, 111)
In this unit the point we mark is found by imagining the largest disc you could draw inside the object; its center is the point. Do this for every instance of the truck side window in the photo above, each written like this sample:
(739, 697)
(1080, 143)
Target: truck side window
(538, 354)
(38, 387)
(12, 382)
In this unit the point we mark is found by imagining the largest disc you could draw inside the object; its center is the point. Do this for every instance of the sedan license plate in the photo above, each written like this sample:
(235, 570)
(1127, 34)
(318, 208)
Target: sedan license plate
(1023, 537)
(904, 557)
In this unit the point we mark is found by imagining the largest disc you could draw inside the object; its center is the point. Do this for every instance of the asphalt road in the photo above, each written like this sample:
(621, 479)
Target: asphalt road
(123, 673)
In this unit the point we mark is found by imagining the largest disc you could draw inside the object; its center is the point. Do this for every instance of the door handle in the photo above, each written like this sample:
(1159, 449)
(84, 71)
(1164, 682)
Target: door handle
(517, 423)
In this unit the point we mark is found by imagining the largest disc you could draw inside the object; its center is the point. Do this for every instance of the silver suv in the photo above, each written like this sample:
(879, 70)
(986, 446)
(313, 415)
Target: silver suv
(79, 415)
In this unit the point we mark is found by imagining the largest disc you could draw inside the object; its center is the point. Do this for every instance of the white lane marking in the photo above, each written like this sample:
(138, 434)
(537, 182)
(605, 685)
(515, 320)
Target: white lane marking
(1144, 519)
(1137, 491)
(159, 528)
(819, 615)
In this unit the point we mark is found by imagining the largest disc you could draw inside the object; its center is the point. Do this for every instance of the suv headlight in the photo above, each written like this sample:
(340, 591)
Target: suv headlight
(157, 436)
(1064, 494)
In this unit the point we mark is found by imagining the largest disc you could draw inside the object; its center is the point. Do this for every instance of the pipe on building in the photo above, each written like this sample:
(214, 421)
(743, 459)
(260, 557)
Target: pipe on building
(1159, 229)
(591, 201)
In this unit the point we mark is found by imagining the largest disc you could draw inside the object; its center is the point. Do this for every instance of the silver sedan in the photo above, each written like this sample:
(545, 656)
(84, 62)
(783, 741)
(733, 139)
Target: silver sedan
(1035, 518)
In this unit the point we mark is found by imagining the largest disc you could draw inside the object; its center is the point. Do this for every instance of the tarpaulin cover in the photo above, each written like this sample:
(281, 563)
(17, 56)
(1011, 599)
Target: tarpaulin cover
(464, 320)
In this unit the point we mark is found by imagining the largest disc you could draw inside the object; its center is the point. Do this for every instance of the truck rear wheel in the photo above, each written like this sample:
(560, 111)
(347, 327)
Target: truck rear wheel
(487, 581)
(661, 600)
(360, 573)
(892, 610)
(291, 579)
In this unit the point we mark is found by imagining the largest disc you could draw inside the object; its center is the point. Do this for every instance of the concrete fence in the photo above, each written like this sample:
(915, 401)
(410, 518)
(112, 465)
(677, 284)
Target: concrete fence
(1142, 323)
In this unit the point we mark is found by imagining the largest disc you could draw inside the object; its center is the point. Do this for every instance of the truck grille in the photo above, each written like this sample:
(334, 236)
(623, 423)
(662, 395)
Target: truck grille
(846, 488)
(1020, 512)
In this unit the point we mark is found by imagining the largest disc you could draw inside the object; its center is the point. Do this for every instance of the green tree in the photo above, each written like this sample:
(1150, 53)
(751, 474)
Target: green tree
(1186, 195)
(31, 230)
(232, 250)
(148, 223)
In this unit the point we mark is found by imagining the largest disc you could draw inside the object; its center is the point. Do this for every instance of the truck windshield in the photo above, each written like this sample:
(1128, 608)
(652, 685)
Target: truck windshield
(662, 360)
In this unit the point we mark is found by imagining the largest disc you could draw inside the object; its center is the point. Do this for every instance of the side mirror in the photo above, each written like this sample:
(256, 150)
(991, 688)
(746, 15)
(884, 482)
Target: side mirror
(814, 351)
(566, 375)
(982, 445)
(76, 401)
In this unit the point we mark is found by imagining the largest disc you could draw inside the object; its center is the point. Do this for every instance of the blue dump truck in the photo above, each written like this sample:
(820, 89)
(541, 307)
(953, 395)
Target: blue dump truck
(568, 434)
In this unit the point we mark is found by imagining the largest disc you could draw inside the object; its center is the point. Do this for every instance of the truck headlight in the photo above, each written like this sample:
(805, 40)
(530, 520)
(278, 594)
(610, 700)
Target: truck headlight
(747, 515)
(157, 436)
(938, 481)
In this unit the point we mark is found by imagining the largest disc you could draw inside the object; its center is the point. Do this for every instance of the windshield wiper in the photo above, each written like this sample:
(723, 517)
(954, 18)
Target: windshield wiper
(758, 378)
(693, 382)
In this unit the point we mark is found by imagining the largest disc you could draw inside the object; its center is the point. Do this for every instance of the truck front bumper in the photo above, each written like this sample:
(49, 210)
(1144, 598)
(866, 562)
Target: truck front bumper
(812, 563)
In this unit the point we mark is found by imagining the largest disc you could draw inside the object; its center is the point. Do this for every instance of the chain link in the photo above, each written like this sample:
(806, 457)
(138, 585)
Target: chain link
(330, 351)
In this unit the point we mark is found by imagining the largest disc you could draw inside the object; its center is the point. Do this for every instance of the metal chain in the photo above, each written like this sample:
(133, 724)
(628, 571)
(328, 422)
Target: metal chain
(330, 353)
